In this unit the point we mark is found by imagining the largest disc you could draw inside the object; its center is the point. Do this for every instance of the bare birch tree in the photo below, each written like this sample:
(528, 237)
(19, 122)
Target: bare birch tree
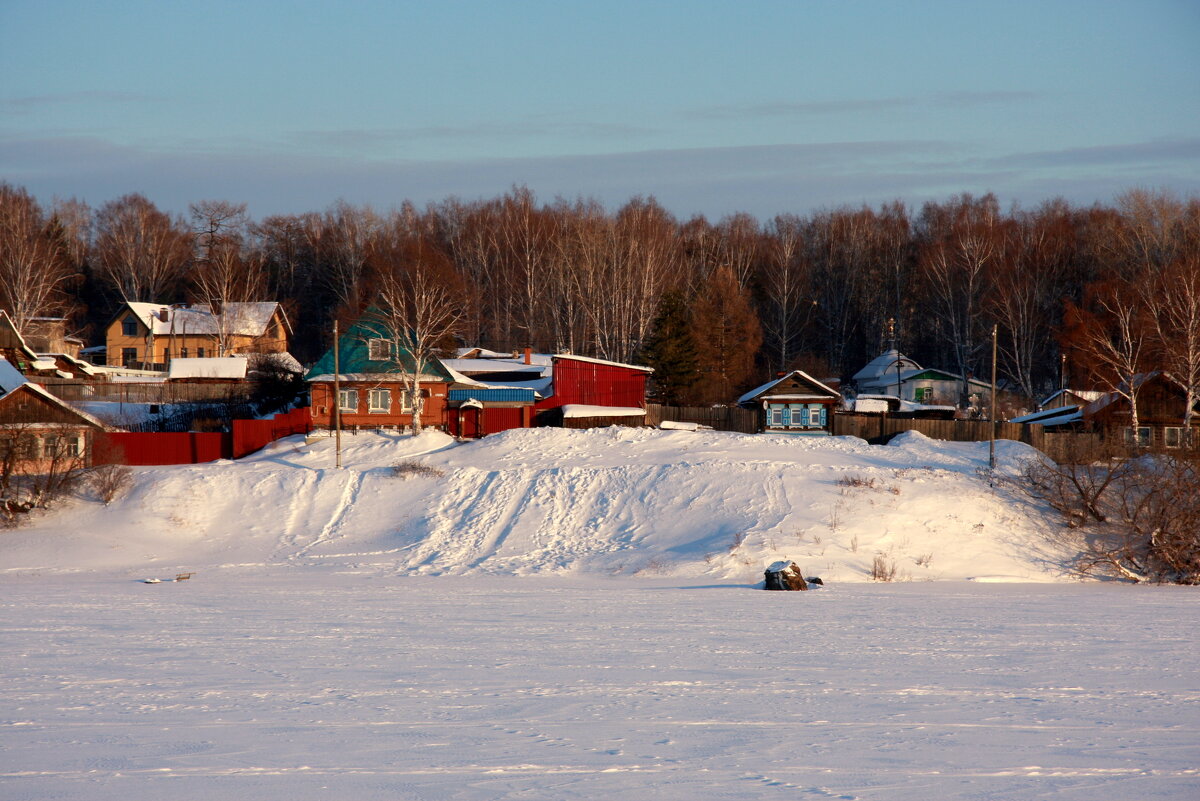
(33, 268)
(417, 308)
(140, 251)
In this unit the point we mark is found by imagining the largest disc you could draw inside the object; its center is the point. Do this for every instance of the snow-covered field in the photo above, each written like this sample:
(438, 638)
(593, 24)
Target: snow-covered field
(572, 614)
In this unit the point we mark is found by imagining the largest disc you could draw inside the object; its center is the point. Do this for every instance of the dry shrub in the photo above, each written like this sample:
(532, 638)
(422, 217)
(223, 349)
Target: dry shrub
(883, 568)
(1140, 513)
(856, 481)
(412, 469)
(109, 481)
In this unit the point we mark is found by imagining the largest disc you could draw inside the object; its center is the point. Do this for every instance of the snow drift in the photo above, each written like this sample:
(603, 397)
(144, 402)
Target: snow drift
(537, 501)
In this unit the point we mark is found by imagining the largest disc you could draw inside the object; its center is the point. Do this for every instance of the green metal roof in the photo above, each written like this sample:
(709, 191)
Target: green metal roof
(354, 355)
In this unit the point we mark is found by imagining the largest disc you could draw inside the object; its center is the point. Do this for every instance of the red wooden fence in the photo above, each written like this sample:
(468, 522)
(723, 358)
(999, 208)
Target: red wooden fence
(159, 448)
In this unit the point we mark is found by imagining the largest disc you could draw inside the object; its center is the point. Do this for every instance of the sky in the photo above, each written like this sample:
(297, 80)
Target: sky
(711, 107)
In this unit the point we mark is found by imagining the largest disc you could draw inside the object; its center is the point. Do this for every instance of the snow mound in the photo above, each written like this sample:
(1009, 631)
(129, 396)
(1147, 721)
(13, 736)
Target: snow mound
(618, 500)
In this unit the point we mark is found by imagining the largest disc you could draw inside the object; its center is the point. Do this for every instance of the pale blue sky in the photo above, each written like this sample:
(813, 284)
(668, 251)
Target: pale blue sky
(713, 107)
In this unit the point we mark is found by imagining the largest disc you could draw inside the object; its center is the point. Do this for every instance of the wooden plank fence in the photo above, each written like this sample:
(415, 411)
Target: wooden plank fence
(721, 418)
(1059, 446)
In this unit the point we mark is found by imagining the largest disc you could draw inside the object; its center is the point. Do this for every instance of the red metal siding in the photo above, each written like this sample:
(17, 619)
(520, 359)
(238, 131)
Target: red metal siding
(595, 385)
(251, 435)
(159, 448)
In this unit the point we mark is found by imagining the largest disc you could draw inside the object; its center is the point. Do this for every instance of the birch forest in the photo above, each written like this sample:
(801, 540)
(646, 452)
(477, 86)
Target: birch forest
(1082, 296)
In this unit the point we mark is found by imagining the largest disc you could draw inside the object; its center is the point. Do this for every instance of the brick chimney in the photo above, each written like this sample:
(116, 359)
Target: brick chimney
(529, 355)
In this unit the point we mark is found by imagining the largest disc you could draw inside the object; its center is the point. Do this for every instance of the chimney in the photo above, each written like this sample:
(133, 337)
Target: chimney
(529, 355)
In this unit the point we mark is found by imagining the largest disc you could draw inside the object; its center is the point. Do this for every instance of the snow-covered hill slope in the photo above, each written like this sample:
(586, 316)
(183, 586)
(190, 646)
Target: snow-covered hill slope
(604, 501)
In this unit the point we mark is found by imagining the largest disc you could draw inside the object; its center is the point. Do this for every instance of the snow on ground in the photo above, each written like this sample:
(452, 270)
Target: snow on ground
(573, 615)
(314, 684)
(535, 501)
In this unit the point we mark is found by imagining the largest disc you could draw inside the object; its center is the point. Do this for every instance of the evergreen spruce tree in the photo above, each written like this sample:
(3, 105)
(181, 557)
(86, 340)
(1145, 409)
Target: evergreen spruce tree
(671, 351)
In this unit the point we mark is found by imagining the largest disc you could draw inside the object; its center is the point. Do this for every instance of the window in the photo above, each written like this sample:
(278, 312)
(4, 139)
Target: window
(922, 394)
(776, 417)
(200, 352)
(816, 416)
(1143, 436)
(379, 350)
(128, 356)
(348, 400)
(406, 404)
(1173, 437)
(379, 401)
(183, 353)
(129, 326)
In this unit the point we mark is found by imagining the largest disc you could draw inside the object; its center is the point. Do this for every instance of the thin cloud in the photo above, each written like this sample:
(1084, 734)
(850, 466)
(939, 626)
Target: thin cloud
(829, 107)
(783, 109)
(964, 99)
(1153, 152)
(367, 139)
(761, 180)
(67, 98)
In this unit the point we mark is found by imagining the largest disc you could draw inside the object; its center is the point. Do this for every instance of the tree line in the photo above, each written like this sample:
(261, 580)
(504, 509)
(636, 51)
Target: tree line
(1086, 295)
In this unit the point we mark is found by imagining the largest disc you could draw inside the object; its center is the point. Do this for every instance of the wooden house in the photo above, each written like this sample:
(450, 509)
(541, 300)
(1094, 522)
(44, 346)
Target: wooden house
(373, 391)
(151, 334)
(893, 373)
(39, 432)
(795, 403)
(1161, 404)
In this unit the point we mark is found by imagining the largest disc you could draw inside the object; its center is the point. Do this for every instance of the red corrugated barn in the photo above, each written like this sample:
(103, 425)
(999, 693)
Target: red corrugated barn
(594, 382)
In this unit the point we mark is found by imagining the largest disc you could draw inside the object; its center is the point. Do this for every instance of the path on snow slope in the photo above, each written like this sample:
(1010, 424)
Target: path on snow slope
(618, 500)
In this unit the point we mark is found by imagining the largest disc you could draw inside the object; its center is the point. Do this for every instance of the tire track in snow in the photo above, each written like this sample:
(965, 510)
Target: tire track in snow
(337, 518)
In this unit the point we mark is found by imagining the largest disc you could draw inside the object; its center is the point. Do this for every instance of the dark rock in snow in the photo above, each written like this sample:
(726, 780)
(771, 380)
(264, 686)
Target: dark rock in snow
(784, 576)
(815, 580)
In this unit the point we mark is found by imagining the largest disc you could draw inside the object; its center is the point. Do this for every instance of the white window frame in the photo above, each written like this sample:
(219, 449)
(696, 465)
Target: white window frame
(1139, 441)
(379, 349)
(375, 395)
(406, 404)
(1177, 431)
(348, 395)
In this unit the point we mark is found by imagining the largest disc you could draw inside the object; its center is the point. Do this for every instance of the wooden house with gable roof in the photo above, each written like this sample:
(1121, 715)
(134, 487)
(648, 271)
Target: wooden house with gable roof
(795, 403)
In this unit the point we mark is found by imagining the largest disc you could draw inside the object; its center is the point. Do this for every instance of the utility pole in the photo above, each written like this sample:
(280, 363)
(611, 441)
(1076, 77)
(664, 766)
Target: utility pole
(337, 402)
(992, 413)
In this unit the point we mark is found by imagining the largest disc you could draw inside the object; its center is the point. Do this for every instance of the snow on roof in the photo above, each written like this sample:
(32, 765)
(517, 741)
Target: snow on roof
(576, 410)
(480, 353)
(465, 366)
(10, 377)
(1051, 417)
(12, 380)
(759, 390)
(243, 319)
(884, 363)
(603, 361)
(215, 367)
(1088, 395)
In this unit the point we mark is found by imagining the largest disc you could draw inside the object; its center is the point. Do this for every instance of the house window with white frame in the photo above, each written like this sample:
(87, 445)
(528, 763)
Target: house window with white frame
(379, 349)
(1143, 436)
(348, 400)
(1173, 437)
(379, 401)
(406, 400)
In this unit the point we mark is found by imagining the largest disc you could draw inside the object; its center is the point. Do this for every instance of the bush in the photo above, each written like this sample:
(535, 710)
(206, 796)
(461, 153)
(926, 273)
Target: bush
(1140, 515)
(883, 568)
(110, 481)
(411, 469)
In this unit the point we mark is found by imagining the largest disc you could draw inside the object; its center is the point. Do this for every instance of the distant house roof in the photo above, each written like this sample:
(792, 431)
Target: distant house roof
(242, 319)
(810, 388)
(12, 381)
(355, 362)
(886, 363)
(1059, 415)
(218, 367)
(570, 357)
(1085, 395)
